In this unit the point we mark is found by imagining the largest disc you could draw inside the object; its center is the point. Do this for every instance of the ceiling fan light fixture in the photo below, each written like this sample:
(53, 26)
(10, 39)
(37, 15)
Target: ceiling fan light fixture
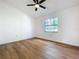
(37, 6)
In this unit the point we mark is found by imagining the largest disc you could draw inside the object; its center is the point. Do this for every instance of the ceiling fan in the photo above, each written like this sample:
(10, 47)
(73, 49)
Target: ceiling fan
(37, 4)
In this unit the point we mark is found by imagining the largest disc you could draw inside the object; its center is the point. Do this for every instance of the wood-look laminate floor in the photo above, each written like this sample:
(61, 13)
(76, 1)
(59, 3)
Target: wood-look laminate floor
(37, 49)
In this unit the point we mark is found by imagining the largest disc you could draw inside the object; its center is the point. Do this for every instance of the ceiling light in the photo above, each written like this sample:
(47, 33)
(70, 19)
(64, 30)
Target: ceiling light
(37, 6)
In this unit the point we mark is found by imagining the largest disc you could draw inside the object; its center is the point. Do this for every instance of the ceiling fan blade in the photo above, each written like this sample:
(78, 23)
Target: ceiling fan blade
(35, 1)
(36, 9)
(42, 1)
(30, 4)
(42, 7)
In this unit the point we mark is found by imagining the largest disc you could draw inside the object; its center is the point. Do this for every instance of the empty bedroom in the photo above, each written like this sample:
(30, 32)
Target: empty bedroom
(39, 29)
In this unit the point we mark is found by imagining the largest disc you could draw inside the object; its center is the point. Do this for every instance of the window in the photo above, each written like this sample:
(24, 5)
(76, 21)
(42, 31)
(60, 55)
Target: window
(51, 25)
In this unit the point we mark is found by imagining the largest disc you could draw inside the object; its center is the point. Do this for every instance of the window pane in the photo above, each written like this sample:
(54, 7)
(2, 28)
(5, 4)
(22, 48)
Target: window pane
(51, 25)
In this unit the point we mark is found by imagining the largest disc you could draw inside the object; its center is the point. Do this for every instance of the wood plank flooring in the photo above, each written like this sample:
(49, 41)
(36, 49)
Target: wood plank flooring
(37, 49)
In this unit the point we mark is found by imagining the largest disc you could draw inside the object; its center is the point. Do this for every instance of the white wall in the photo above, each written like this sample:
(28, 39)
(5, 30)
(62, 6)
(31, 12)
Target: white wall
(14, 24)
(68, 26)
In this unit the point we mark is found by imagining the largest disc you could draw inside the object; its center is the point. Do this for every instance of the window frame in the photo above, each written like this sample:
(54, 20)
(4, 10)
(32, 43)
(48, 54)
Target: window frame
(46, 25)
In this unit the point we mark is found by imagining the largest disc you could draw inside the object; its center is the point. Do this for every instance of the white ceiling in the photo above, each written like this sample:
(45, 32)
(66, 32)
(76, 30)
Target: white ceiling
(51, 6)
